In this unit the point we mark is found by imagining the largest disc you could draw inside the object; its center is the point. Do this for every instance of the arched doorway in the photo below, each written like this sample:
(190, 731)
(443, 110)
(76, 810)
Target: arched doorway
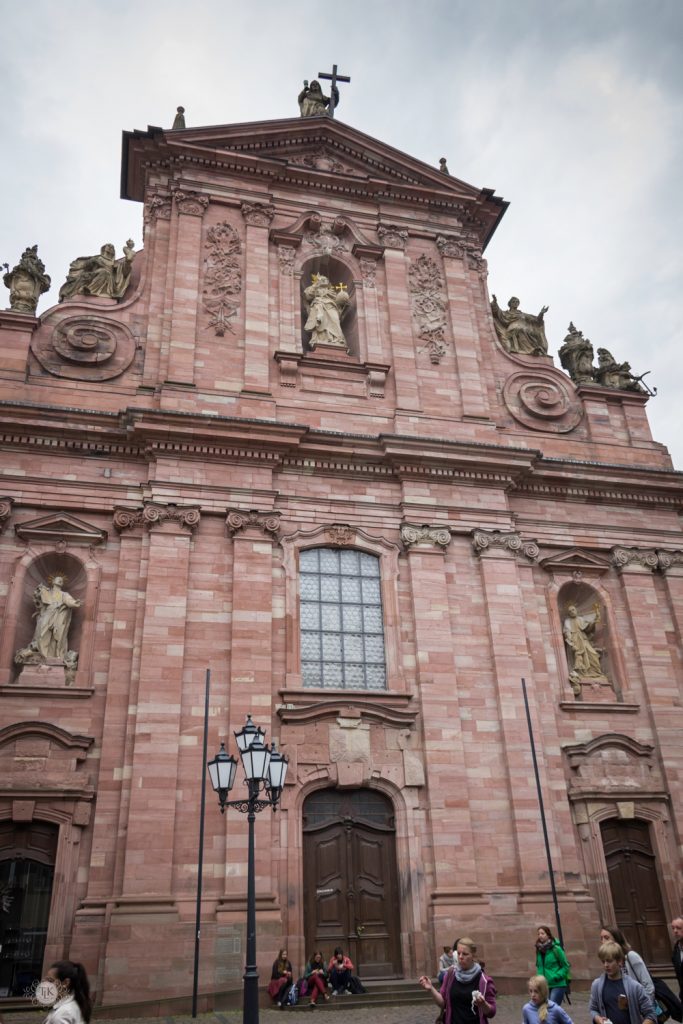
(27, 859)
(634, 884)
(350, 879)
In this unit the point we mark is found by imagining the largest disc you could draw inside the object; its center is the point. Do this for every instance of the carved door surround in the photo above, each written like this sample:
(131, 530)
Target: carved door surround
(44, 780)
(58, 542)
(616, 777)
(351, 895)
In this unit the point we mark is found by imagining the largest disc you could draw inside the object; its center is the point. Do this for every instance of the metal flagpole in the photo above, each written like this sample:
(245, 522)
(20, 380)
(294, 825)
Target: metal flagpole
(200, 865)
(543, 820)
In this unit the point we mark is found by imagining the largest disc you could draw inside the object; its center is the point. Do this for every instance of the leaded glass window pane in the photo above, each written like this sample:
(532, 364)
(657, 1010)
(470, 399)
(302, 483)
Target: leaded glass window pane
(342, 634)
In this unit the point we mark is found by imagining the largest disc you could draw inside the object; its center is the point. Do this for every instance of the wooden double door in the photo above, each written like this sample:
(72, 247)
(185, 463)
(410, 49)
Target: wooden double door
(634, 885)
(350, 879)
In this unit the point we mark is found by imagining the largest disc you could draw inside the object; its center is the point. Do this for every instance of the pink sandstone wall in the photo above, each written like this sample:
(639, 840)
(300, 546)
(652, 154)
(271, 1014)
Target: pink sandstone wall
(192, 425)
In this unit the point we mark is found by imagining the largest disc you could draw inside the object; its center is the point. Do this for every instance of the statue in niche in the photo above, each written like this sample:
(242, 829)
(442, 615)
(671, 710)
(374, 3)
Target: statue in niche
(326, 305)
(312, 102)
(27, 282)
(54, 608)
(102, 275)
(520, 332)
(576, 356)
(584, 659)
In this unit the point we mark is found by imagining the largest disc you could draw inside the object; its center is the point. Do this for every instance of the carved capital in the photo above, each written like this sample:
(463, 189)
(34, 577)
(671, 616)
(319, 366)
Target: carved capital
(434, 537)
(392, 237)
(670, 560)
(483, 541)
(340, 535)
(153, 514)
(191, 203)
(634, 558)
(258, 214)
(5, 511)
(285, 255)
(450, 246)
(158, 207)
(267, 522)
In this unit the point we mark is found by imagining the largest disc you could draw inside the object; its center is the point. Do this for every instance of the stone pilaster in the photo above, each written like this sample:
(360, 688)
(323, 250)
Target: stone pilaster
(459, 288)
(157, 220)
(251, 673)
(289, 323)
(369, 266)
(151, 817)
(257, 217)
(400, 318)
(451, 836)
(503, 598)
(189, 207)
(653, 652)
(16, 331)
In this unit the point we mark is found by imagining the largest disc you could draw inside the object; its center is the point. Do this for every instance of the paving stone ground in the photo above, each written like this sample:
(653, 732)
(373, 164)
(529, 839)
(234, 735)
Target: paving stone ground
(509, 1012)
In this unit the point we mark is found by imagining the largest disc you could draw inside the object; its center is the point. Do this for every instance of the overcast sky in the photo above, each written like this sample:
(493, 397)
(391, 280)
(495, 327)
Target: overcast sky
(572, 110)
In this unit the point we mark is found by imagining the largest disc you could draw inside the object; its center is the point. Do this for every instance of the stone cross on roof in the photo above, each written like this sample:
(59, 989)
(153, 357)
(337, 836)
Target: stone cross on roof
(334, 78)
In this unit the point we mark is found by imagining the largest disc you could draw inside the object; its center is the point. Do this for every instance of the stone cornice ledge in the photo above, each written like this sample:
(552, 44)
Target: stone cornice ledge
(310, 705)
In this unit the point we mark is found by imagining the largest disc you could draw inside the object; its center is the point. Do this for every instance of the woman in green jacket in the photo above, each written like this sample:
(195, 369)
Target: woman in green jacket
(552, 964)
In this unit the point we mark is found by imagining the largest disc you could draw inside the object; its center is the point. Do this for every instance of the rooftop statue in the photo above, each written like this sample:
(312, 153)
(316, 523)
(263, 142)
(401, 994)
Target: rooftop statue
(27, 282)
(443, 166)
(325, 306)
(312, 102)
(612, 374)
(102, 275)
(179, 119)
(576, 356)
(520, 332)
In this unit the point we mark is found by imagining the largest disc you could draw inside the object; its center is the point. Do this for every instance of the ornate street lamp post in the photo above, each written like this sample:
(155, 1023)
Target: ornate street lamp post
(264, 773)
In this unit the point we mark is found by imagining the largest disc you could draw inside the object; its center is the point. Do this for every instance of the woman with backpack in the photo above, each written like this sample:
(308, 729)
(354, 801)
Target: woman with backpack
(552, 963)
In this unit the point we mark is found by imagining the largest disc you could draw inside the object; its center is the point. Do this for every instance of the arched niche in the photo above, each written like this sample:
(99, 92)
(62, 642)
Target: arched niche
(592, 678)
(337, 273)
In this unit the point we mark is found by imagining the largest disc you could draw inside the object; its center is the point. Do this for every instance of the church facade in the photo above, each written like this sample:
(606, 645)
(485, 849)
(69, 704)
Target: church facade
(294, 440)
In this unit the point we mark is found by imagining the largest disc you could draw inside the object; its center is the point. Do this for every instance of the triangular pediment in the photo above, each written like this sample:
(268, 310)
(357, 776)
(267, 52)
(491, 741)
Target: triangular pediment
(315, 152)
(60, 526)
(575, 560)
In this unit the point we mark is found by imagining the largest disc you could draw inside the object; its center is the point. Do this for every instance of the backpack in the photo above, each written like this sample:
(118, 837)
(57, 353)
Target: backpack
(293, 997)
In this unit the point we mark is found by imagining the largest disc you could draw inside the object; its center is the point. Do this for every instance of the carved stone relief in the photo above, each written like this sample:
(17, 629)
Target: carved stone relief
(438, 537)
(5, 511)
(258, 214)
(368, 272)
(340, 535)
(645, 558)
(324, 241)
(267, 522)
(85, 348)
(321, 159)
(612, 764)
(483, 541)
(157, 207)
(428, 303)
(191, 203)
(285, 255)
(152, 515)
(392, 237)
(542, 401)
(222, 277)
(461, 249)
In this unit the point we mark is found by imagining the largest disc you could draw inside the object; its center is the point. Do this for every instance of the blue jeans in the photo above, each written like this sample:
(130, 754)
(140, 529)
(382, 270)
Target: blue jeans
(557, 994)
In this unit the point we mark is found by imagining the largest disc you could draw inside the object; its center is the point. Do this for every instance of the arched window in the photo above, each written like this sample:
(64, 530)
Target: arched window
(342, 630)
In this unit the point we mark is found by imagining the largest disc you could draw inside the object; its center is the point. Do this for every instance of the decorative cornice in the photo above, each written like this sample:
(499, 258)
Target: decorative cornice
(433, 537)
(484, 540)
(267, 522)
(5, 511)
(377, 706)
(392, 237)
(68, 740)
(154, 514)
(258, 214)
(634, 558)
(191, 203)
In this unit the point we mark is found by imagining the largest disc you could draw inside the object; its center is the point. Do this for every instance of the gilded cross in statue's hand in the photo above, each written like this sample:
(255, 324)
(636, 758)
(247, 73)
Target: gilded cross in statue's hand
(334, 91)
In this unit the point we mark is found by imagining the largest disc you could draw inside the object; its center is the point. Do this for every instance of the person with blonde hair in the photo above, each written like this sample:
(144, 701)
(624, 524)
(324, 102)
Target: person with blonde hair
(615, 997)
(466, 992)
(540, 1008)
